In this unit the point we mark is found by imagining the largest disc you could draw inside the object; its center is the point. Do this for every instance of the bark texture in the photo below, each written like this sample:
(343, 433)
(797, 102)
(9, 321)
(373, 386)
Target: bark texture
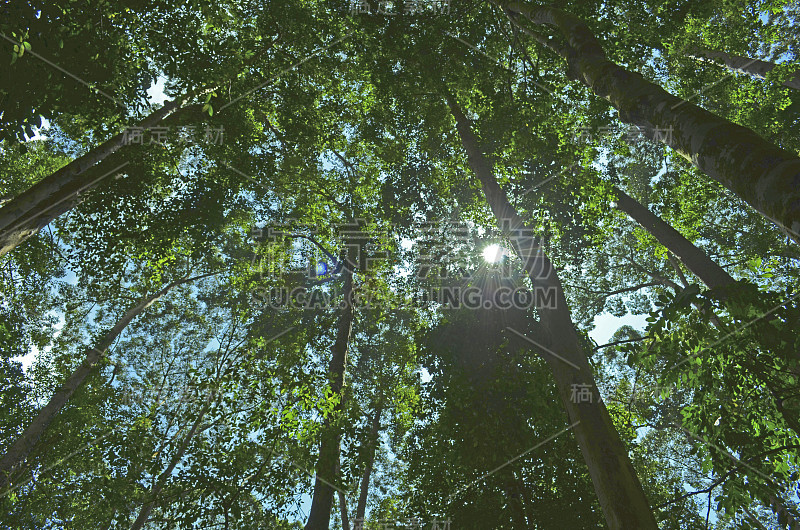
(343, 510)
(709, 272)
(760, 173)
(618, 488)
(57, 193)
(328, 462)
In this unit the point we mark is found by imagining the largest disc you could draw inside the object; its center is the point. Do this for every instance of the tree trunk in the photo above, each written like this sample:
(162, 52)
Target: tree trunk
(361, 507)
(327, 464)
(760, 173)
(57, 193)
(144, 513)
(702, 266)
(26, 442)
(778, 507)
(343, 511)
(618, 488)
(745, 65)
(697, 261)
(35, 208)
(752, 518)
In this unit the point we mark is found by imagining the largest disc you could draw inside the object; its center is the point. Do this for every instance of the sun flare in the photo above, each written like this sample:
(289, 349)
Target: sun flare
(492, 253)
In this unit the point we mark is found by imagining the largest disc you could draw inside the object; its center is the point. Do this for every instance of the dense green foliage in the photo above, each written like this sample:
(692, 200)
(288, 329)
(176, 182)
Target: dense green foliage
(309, 128)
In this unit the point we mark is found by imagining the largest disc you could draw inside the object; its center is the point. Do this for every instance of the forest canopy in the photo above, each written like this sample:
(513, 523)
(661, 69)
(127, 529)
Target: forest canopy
(374, 264)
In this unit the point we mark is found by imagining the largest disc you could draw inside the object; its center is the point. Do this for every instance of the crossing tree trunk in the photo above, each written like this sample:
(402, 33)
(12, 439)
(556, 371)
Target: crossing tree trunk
(32, 210)
(697, 261)
(26, 214)
(144, 513)
(707, 270)
(361, 507)
(760, 173)
(618, 488)
(745, 65)
(343, 510)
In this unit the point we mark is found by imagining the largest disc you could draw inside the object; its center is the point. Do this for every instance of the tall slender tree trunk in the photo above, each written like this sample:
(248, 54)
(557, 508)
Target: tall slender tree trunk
(697, 261)
(694, 259)
(329, 447)
(760, 173)
(361, 507)
(745, 65)
(32, 210)
(618, 488)
(343, 510)
(144, 513)
(702, 266)
(26, 442)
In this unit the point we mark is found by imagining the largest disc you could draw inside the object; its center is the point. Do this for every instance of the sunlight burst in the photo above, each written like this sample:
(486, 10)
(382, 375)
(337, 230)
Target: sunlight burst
(492, 253)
